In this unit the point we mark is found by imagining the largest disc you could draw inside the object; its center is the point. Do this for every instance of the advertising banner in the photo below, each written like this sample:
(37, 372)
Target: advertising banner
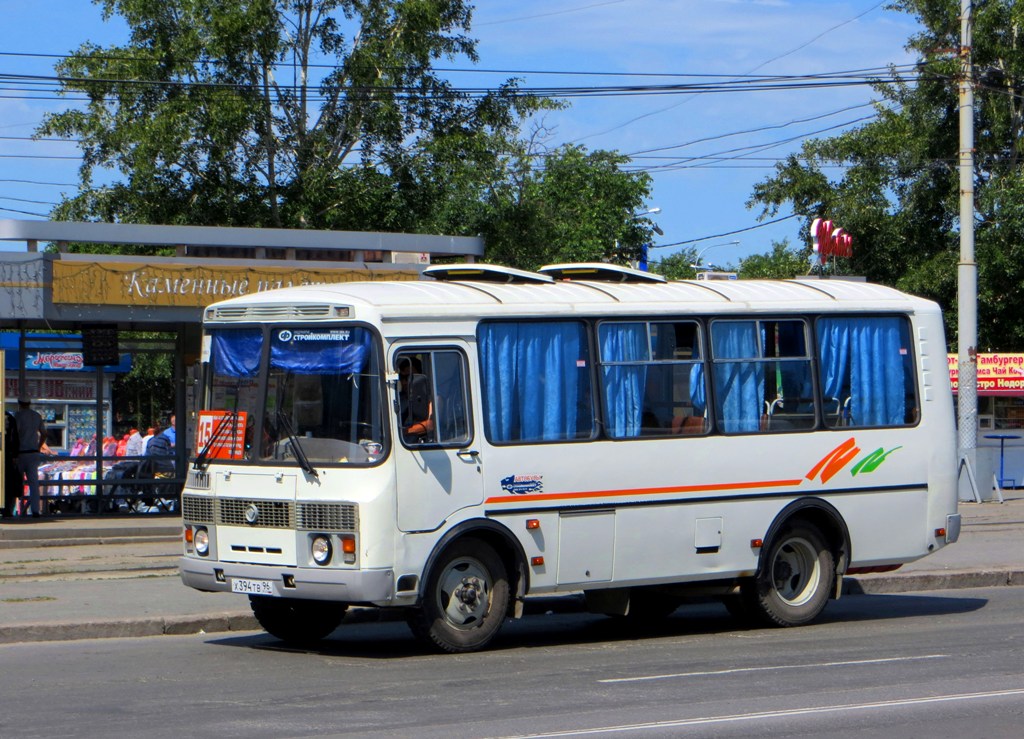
(998, 374)
(190, 285)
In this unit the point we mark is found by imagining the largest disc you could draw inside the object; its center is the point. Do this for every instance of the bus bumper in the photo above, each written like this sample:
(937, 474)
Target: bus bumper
(341, 586)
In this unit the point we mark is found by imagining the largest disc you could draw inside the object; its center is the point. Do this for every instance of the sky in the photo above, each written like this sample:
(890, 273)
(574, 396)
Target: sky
(705, 152)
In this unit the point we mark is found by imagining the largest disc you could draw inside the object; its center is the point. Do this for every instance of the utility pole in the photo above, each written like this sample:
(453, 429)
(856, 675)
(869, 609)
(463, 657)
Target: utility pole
(967, 270)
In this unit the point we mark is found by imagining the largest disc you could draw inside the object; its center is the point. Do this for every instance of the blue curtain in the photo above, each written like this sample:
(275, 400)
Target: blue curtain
(320, 351)
(536, 379)
(236, 352)
(861, 359)
(624, 385)
(698, 392)
(739, 385)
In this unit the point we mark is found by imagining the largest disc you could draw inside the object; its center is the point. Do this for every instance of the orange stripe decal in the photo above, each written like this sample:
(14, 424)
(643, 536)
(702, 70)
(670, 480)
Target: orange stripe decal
(714, 487)
(835, 460)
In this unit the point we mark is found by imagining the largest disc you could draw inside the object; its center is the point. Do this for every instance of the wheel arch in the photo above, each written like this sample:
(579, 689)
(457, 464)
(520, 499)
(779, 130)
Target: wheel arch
(824, 516)
(504, 543)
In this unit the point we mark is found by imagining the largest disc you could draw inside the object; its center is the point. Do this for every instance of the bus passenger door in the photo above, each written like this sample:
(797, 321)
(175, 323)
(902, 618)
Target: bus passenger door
(438, 468)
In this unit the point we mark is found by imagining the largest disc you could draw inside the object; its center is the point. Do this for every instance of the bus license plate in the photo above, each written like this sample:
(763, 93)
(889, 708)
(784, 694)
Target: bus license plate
(251, 587)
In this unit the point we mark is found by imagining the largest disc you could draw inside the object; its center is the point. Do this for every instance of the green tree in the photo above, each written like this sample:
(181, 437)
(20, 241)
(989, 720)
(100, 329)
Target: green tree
(577, 208)
(898, 191)
(678, 266)
(781, 263)
(292, 113)
(329, 114)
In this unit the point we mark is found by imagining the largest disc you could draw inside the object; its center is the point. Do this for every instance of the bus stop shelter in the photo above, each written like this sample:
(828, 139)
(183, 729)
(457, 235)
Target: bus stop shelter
(103, 297)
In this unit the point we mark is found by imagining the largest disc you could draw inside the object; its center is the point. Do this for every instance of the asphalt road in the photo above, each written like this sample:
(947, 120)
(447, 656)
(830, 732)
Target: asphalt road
(943, 663)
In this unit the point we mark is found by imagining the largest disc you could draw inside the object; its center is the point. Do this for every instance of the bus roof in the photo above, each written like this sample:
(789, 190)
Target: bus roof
(463, 298)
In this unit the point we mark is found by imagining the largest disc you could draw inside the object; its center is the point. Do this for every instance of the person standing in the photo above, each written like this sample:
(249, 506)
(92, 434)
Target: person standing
(171, 432)
(14, 483)
(134, 446)
(32, 438)
(150, 433)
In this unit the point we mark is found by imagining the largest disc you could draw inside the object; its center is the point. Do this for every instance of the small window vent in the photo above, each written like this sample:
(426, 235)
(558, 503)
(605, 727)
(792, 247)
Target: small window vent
(269, 312)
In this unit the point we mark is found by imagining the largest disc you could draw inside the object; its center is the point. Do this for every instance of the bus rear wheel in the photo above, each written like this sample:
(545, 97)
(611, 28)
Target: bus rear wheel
(297, 622)
(465, 600)
(796, 581)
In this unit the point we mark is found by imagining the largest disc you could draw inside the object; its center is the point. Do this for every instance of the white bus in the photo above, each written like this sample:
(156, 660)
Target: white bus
(455, 445)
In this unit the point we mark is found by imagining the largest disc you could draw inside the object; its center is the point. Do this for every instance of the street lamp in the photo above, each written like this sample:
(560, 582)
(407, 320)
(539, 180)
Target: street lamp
(642, 264)
(700, 255)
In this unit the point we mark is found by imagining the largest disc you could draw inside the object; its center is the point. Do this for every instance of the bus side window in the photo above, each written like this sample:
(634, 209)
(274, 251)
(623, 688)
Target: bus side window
(652, 378)
(866, 371)
(432, 397)
(762, 376)
(451, 398)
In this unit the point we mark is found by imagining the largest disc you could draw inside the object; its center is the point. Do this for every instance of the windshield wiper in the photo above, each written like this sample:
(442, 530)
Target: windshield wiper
(285, 423)
(201, 462)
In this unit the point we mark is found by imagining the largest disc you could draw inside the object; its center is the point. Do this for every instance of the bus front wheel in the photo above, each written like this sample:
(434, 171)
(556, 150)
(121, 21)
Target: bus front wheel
(465, 600)
(297, 622)
(796, 580)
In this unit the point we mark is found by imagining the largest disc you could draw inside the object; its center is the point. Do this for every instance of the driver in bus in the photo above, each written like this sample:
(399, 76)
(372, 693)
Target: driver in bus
(414, 403)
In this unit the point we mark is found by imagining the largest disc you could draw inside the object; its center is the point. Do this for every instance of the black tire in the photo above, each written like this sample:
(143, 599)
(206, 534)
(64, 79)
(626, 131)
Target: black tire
(465, 601)
(296, 622)
(796, 581)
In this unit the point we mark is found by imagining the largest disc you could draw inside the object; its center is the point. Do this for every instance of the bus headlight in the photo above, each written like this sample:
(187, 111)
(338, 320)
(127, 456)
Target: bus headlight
(321, 549)
(201, 539)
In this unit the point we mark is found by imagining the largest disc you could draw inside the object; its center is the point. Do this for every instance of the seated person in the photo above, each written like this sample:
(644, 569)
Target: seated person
(414, 403)
(160, 453)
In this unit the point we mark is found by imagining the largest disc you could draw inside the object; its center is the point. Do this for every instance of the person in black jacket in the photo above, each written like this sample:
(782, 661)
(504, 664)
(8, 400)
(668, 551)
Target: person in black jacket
(14, 482)
(414, 403)
(31, 448)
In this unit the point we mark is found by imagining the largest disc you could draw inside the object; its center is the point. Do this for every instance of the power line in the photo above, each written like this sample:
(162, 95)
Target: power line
(25, 212)
(681, 102)
(23, 200)
(727, 233)
(759, 129)
(38, 156)
(458, 70)
(38, 182)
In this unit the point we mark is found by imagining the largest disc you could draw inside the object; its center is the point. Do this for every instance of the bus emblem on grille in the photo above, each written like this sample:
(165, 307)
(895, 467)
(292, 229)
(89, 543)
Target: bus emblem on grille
(252, 513)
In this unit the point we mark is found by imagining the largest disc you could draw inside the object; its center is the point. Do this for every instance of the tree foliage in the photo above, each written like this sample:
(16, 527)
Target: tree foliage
(898, 189)
(678, 266)
(326, 114)
(781, 263)
(570, 211)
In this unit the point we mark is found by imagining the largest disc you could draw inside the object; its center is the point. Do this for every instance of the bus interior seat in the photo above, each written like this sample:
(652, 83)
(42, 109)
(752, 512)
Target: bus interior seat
(688, 425)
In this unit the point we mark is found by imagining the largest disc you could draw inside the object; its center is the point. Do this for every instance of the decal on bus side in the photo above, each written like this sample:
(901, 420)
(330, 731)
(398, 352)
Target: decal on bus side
(530, 487)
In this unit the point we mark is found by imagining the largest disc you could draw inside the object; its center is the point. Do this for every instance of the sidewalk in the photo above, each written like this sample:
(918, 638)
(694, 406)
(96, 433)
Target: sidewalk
(113, 577)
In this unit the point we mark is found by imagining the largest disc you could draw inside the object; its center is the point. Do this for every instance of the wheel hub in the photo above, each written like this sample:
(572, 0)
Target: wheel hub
(783, 571)
(468, 593)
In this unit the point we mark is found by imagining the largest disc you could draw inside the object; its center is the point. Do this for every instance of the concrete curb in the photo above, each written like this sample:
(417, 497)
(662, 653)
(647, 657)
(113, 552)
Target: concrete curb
(73, 541)
(171, 626)
(938, 580)
(238, 621)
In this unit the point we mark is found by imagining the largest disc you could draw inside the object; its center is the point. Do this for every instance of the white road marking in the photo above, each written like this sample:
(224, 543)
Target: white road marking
(769, 668)
(704, 721)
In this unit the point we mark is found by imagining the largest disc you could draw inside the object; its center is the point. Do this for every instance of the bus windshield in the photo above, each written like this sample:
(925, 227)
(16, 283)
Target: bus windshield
(313, 393)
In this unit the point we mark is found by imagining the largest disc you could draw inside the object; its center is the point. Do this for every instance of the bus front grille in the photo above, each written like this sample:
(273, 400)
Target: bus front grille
(196, 509)
(328, 516)
(271, 514)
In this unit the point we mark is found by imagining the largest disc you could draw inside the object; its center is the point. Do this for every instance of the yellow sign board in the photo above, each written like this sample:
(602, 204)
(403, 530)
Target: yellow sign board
(190, 285)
